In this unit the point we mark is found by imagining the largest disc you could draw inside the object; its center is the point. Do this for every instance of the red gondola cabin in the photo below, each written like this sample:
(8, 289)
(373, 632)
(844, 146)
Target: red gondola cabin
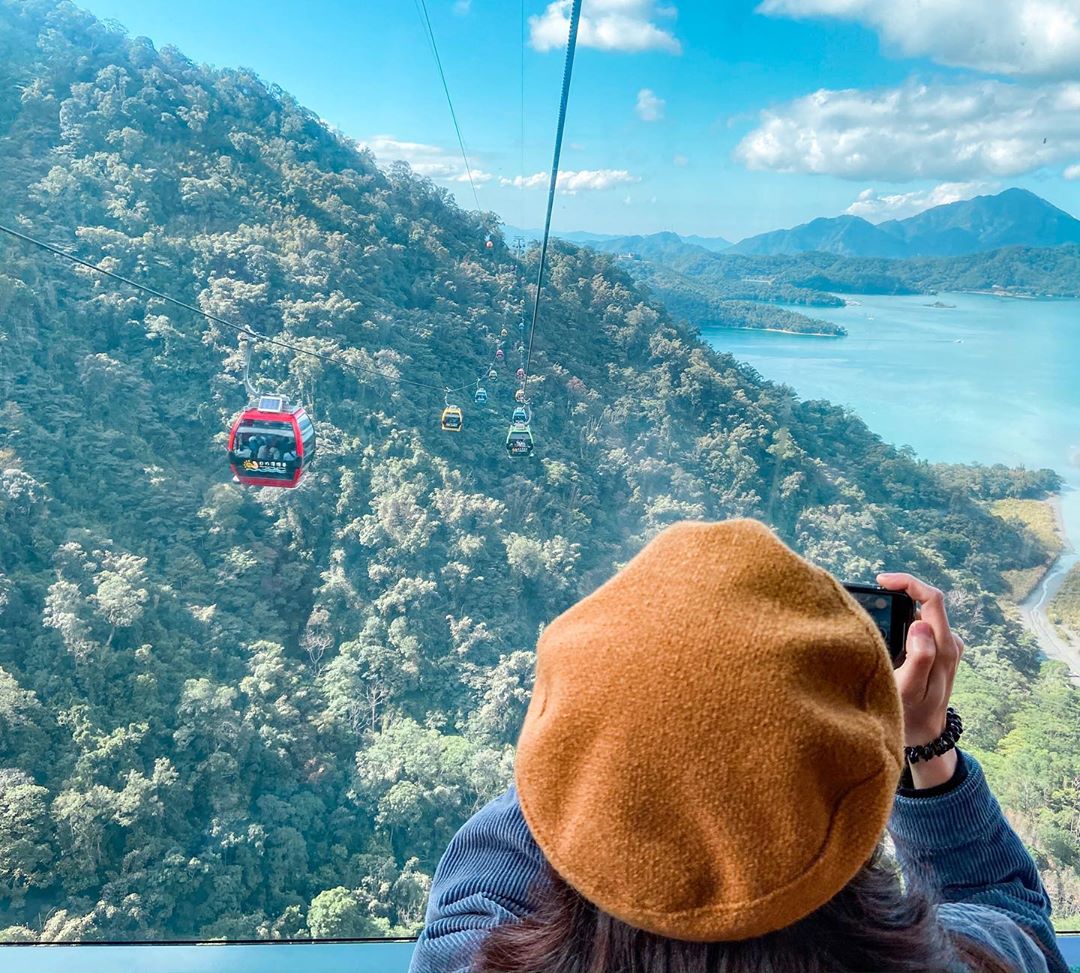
(271, 444)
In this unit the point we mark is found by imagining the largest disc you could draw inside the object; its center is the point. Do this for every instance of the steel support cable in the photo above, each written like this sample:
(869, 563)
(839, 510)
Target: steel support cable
(449, 100)
(571, 46)
(521, 194)
(425, 19)
(522, 199)
(248, 332)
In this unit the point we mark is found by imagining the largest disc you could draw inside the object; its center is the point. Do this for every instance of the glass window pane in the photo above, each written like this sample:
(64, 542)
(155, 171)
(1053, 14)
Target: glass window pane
(823, 271)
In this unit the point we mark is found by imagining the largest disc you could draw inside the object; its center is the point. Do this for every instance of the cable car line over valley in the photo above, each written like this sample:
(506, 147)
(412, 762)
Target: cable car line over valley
(425, 20)
(272, 442)
(245, 331)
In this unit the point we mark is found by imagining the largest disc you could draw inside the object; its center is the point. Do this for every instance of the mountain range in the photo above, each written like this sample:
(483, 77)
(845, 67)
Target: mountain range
(605, 241)
(1012, 218)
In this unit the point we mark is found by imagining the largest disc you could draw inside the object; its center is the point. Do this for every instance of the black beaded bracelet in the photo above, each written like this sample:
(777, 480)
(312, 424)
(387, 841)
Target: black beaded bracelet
(954, 726)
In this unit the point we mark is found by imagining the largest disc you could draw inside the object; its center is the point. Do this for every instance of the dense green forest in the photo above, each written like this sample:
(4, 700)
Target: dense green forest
(230, 713)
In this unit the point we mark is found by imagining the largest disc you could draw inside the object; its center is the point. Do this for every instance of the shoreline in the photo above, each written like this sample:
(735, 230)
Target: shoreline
(1032, 610)
(801, 334)
(805, 334)
(1015, 297)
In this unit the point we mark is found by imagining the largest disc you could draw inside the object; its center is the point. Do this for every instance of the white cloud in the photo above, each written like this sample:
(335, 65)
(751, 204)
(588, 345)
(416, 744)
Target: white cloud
(535, 181)
(1072, 172)
(571, 182)
(956, 132)
(609, 25)
(478, 176)
(649, 108)
(681, 161)
(1039, 37)
(431, 161)
(874, 206)
(462, 7)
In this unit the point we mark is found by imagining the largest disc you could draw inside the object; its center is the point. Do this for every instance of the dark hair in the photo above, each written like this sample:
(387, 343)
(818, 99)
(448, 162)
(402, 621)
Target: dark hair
(875, 923)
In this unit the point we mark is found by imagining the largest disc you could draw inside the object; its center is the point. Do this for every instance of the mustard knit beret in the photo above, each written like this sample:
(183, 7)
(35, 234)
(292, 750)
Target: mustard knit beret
(714, 739)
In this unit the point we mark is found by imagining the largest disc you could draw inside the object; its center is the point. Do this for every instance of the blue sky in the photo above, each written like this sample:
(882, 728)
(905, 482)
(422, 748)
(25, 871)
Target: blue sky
(717, 117)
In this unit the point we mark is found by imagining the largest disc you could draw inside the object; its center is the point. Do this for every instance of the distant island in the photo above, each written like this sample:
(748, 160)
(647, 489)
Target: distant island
(940, 304)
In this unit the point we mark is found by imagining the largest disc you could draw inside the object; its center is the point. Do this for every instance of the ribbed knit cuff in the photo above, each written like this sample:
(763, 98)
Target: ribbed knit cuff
(907, 786)
(961, 815)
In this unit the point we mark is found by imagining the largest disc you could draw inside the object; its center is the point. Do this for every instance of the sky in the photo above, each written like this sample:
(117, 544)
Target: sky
(712, 117)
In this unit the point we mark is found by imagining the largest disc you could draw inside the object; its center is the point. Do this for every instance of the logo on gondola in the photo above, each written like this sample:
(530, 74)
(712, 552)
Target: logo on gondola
(265, 466)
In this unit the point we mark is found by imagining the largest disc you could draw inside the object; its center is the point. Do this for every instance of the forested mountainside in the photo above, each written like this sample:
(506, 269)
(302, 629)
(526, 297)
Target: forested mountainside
(229, 713)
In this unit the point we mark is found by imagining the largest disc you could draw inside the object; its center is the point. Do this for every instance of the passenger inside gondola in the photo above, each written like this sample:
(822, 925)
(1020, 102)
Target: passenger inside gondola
(267, 443)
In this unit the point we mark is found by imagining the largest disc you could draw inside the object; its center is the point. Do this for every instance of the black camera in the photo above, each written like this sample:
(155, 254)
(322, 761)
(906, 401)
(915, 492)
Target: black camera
(891, 611)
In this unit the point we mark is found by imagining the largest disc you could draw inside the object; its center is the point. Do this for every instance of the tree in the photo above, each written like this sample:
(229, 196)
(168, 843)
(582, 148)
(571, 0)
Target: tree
(337, 913)
(119, 600)
(26, 851)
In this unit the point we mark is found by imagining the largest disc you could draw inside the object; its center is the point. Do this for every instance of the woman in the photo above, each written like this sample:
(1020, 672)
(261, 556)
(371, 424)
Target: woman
(705, 773)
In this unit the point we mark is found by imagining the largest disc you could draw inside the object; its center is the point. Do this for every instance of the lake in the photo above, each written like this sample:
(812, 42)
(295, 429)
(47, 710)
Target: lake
(991, 380)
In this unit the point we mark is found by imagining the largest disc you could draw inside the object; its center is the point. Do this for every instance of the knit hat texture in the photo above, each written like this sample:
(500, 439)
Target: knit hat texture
(714, 739)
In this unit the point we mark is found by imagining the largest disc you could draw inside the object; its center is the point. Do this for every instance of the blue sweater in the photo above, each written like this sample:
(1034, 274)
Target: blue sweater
(954, 834)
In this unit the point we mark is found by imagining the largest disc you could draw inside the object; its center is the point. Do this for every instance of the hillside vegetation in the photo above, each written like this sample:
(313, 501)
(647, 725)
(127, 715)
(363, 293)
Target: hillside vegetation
(229, 713)
(1040, 519)
(1064, 608)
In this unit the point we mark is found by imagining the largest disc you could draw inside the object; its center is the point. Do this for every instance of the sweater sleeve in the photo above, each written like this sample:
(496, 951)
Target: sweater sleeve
(960, 842)
(482, 881)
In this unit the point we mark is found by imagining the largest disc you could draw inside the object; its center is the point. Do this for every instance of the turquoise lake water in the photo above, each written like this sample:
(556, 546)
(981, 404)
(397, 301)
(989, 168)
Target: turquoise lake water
(991, 380)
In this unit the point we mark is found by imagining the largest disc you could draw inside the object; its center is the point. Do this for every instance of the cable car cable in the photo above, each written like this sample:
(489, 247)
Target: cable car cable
(521, 193)
(568, 68)
(249, 332)
(450, 101)
(575, 17)
(422, 12)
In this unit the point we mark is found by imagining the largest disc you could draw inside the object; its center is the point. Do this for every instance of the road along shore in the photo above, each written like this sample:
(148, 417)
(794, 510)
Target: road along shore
(1033, 608)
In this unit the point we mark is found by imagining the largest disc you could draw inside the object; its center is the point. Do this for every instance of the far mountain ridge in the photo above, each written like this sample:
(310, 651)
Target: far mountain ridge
(651, 246)
(606, 241)
(849, 236)
(1012, 218)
